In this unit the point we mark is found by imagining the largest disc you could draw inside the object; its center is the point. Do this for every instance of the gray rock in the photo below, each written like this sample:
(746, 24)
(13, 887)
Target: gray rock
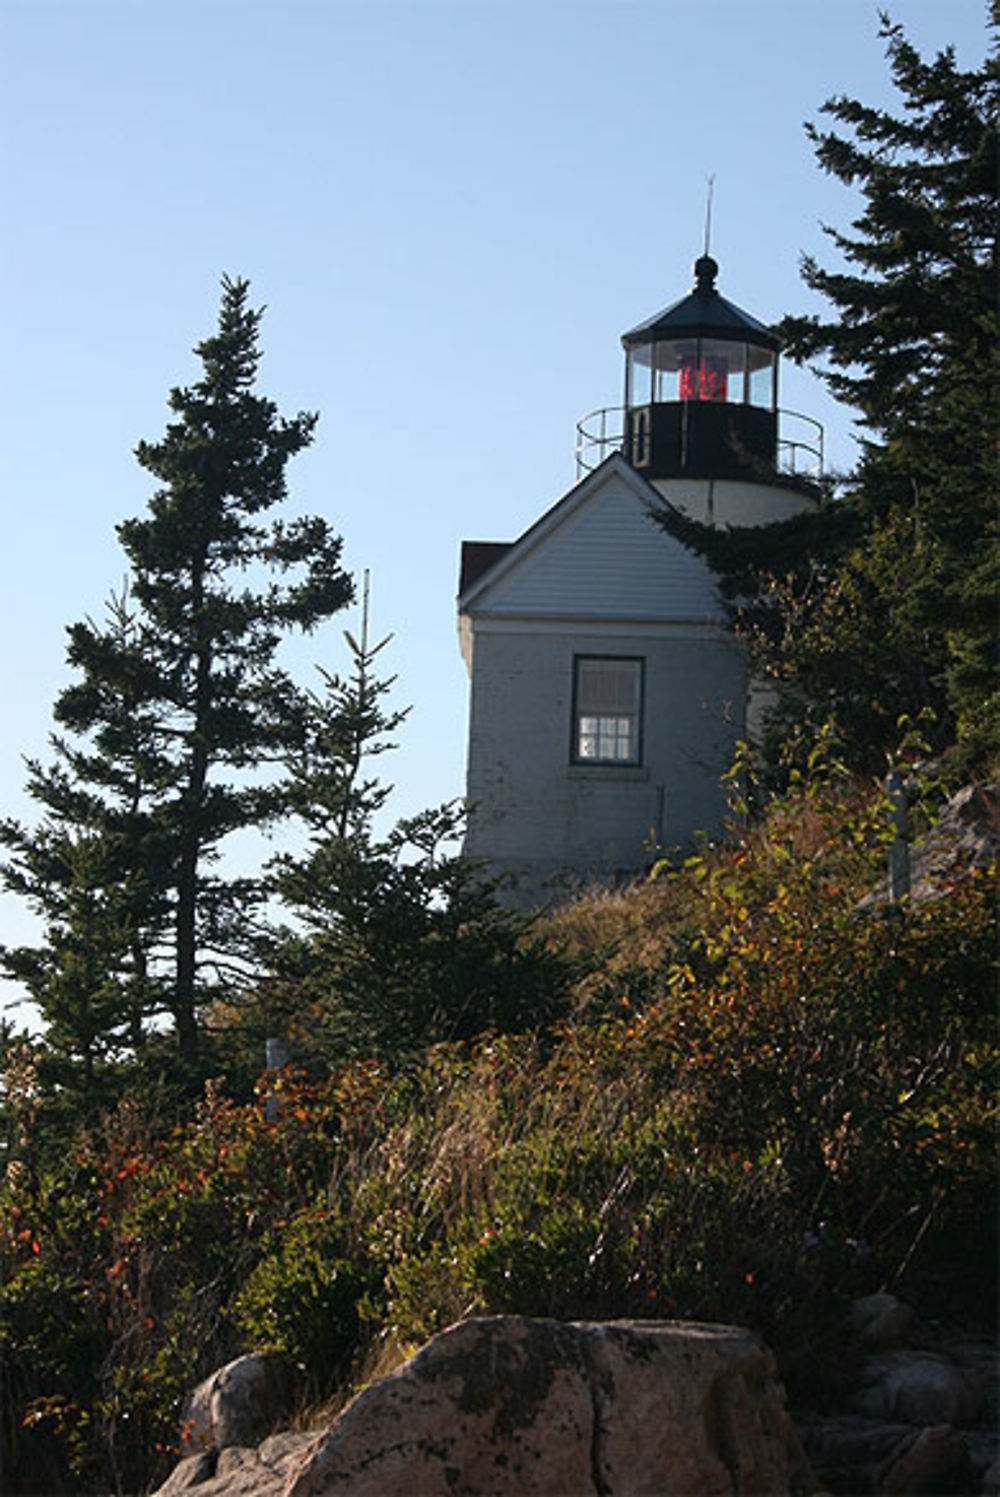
(191, 1472)
(237, 1405)
(239, 1472)
(918, 1387)
(848, 1453)
(702, 1403)
(881, 1322)
(966, 837)
(510, 1405)
(936, 1461)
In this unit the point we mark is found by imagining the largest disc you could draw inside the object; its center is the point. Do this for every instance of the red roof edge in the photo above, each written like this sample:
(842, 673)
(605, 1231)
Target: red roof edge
(477, 558)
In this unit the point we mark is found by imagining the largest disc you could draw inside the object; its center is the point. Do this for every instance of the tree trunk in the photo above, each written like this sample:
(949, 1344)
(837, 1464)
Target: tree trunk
(183, 1006)
(185, 995)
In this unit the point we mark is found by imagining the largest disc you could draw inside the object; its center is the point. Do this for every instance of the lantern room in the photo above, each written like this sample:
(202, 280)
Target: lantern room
(701, 389)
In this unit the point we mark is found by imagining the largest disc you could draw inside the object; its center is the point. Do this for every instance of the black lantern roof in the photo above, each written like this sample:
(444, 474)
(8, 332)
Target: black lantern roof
(702, 313)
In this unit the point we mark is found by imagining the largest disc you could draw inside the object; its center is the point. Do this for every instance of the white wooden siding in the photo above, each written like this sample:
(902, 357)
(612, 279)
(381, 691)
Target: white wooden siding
(602, 557)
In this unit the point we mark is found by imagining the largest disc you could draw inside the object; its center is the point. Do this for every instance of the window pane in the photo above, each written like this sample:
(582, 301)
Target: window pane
(607, 710)
(712, 369)
(587, 745)
(640, 376)
(672, 358)
(762, 364)
(722, 371)
(608, 683)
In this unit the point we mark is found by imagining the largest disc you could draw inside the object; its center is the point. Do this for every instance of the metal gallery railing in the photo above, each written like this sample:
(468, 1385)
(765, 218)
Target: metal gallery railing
(800, 441)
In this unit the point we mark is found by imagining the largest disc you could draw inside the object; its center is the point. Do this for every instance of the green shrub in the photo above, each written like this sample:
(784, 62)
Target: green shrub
(301, 1301)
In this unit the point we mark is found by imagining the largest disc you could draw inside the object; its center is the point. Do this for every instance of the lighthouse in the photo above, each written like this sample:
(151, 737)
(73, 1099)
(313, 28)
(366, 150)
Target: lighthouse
(701, 418)
(606, 694)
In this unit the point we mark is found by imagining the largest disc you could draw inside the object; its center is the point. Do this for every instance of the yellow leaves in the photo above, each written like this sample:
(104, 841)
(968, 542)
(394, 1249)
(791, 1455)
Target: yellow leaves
(55, 1407)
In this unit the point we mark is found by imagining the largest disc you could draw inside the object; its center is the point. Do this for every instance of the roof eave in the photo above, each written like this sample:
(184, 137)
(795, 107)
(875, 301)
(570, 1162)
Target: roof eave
(698, 314)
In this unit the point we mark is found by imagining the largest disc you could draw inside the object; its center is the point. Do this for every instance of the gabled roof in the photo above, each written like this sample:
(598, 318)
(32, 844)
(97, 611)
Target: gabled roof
(596, 554)
(483, 562)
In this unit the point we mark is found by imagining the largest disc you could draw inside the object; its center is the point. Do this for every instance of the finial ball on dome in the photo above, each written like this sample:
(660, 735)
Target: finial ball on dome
(705, 271)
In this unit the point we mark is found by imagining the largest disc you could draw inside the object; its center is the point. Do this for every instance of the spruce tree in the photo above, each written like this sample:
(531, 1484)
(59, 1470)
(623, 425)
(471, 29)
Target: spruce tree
(914, 348)
(181, 716)
(92, 870)
(399, 941)
(913, 339)
(885, 605)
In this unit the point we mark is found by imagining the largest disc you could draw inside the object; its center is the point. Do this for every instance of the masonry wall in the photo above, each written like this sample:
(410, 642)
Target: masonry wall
(535, 812)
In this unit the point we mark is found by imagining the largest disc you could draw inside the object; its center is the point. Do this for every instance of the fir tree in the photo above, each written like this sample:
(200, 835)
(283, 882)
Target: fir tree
(885, 605)
(92, 870)
(914, 348)
(181, 716)
(913, 341)
(399, 940)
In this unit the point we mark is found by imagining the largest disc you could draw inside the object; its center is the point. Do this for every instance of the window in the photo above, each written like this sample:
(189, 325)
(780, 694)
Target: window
(639, 427)
(607, 705)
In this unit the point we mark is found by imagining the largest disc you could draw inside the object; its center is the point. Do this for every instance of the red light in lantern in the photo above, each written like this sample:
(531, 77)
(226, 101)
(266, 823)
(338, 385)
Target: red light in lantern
(714, 372)
(702, 379)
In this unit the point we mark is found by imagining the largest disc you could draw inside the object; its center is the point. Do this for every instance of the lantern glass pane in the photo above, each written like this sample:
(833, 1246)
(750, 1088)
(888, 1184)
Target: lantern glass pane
(640, 376)
(762, 365)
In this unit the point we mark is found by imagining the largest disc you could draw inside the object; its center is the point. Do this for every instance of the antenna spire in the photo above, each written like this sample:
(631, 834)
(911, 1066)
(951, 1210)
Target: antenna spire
(708, 213)
(365, 593)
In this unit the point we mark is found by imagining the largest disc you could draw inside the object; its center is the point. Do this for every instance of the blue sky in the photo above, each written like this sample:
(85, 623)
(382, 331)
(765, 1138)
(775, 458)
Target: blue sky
(451, 208)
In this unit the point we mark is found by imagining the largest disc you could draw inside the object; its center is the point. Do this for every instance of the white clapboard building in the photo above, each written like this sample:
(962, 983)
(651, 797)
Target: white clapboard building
(606, 694)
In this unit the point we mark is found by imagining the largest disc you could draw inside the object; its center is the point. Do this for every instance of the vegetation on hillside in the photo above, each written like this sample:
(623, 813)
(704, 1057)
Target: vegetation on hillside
(760, 1104)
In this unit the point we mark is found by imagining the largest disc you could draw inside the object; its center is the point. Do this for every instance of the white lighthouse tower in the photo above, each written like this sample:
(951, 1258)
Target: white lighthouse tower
(606, 694)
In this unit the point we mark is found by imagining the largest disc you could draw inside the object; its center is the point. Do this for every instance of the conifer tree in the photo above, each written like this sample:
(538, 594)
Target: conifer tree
(94, 873)
(914, 348)
(181, 715)
(399, 941)
(886, 604)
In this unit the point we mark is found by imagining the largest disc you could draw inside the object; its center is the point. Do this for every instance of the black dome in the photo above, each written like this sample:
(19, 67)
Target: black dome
(703, 312)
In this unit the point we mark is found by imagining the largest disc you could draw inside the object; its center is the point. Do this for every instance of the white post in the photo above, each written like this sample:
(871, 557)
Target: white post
(899, 852)
(275, 1056)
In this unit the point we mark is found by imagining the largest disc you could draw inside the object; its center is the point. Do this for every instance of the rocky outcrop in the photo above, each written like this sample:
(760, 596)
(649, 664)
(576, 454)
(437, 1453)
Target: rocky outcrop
(965, 838)
(918, 1387)
(511, 1405)
(922, 1415)
(262, 1471)
(527, 1406)
(237, 1405)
